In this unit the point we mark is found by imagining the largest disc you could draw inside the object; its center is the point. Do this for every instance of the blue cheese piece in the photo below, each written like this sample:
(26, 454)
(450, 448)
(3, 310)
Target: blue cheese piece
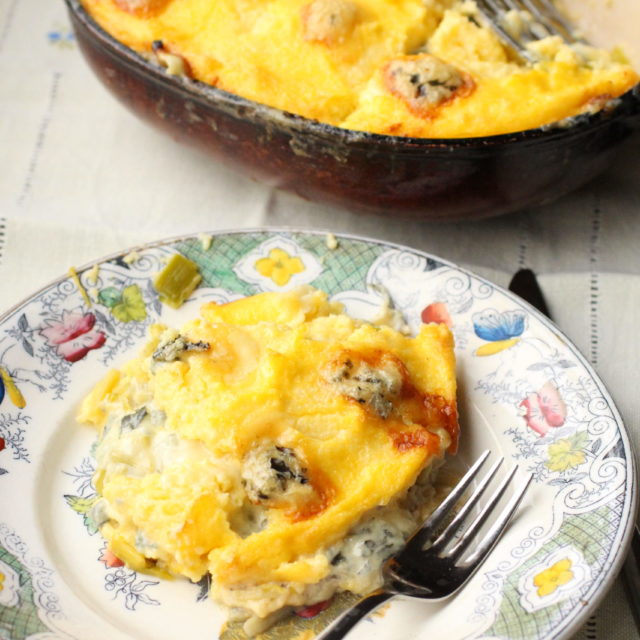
(274, 474)
(173, 345)
(375, 387)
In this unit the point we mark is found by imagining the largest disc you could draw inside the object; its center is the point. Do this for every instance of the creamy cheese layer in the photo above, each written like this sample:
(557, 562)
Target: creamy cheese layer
(425, 68)
(274, 442)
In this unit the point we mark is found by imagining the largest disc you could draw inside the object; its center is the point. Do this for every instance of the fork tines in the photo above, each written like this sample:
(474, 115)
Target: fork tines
(453, 541)
(545, 20)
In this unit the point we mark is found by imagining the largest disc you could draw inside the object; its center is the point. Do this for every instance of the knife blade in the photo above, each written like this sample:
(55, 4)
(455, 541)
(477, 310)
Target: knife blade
(525, 284)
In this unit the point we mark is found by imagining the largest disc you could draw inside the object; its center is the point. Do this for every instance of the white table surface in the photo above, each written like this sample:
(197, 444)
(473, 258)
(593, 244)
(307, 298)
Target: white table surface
(81, 177)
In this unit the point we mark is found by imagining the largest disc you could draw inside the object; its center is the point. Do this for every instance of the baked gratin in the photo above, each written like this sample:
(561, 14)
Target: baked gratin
(421, 68)
(275, 443)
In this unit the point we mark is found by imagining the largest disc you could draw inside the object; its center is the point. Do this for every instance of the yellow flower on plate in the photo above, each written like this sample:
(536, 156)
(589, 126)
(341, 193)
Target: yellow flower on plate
(555, 576)
(1, 581)
(279, 266)
(567, 453)
(491, 348)
(14, 393)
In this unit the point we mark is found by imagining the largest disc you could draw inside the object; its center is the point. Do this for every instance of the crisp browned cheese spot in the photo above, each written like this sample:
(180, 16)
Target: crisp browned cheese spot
(380, 382)
(598, 103)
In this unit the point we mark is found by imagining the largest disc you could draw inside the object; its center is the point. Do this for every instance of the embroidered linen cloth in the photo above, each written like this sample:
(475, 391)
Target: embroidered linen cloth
(82, 177)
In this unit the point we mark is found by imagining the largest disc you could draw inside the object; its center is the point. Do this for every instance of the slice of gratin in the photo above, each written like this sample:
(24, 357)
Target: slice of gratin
(274, 442)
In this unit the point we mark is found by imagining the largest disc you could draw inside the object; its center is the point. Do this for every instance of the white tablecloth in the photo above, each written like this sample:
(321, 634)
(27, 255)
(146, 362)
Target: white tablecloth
(81, 177)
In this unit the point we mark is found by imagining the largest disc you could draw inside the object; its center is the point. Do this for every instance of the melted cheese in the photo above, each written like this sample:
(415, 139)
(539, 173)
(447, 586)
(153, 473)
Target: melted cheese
(331, 60)
(250, 389)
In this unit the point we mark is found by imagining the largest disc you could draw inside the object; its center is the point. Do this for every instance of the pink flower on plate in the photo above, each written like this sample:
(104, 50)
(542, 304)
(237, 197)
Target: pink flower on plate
(73, 324)
(76, 349)
(110, 559)
(545, 409)
(74, 335)
(436, 312)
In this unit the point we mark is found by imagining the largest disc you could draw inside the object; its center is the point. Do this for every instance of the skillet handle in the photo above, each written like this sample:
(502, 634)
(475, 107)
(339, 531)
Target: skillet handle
(344, 623)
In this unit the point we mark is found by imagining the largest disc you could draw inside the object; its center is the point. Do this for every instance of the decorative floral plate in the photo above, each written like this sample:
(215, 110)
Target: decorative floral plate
(525, 392)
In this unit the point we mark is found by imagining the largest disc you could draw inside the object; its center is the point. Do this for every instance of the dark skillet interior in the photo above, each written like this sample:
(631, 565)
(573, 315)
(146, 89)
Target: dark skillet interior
(432, 179)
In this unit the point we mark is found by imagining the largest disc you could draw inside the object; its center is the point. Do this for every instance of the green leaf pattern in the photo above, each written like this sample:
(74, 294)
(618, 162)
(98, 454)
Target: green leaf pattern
(83, 506)
(126, 305)
(131, 306)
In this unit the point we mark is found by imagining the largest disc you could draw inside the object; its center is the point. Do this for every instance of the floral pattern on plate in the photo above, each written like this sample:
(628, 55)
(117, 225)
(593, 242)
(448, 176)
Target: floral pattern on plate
(278, 264)
(29, 608)
(562, 572)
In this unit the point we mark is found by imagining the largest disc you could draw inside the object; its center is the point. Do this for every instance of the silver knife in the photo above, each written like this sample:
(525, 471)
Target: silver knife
(525, 284)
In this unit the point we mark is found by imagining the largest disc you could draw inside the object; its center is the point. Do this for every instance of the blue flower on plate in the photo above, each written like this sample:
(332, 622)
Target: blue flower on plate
(501, 329)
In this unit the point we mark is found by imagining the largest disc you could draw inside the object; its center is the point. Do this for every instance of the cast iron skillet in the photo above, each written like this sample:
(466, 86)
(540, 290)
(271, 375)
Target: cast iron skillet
(432, 179)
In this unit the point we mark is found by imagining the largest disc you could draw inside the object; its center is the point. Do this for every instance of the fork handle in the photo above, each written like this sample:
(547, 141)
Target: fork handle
(345, 622)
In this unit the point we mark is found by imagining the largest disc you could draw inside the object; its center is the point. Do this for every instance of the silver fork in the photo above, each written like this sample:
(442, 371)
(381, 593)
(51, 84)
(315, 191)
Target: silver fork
(437, 570)
(546, 20)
